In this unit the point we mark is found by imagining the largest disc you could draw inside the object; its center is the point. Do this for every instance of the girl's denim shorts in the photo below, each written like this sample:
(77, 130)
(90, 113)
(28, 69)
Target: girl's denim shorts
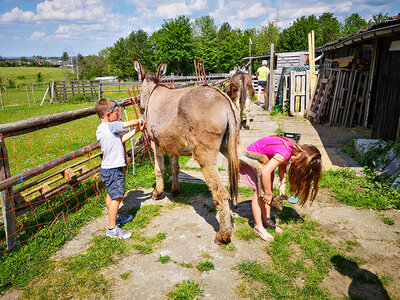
(114, 181)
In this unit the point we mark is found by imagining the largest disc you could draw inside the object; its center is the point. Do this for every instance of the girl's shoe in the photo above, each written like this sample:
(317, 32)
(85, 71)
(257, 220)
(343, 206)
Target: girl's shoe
(263, 234)
(271, 224)
(118, 233)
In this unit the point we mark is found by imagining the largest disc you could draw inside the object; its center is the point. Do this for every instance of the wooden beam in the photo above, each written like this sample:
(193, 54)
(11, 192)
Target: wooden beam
(9, 182)
(30, 125)
(7, 205)
(271, 87)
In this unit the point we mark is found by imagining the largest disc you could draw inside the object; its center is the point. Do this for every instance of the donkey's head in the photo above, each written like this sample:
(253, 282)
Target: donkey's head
(149, 80)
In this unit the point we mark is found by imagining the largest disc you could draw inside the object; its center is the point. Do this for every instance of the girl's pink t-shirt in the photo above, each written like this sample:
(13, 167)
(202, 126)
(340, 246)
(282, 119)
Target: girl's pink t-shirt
(271, 145)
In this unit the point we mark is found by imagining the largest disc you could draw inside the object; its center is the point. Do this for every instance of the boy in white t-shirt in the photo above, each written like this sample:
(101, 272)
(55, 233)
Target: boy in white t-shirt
(111, 138)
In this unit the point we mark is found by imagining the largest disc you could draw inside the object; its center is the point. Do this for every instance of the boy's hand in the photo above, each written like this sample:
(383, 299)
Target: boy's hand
(142, 124)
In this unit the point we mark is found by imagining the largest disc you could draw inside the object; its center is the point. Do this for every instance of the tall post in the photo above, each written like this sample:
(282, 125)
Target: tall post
(271, 85)
(27, 93)
(250, 43)
(7, 199)
(33, 95)
(1, 98)
(311, 59)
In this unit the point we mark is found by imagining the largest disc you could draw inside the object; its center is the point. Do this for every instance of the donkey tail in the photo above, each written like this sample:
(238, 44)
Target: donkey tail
(233, 159)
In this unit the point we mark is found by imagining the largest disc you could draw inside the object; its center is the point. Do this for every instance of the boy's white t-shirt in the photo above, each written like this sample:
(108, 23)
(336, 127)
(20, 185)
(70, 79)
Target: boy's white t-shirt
(109, 136)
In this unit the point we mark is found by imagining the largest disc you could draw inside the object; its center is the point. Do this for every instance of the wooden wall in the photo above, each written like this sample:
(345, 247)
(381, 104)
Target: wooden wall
(386, 92)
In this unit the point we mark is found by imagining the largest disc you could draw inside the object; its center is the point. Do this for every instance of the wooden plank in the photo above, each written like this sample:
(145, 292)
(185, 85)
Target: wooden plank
(1, 99)
(7, 183)
(30, 125)
(6, 198)
(309, 112)
(271, 95)
(292, 92)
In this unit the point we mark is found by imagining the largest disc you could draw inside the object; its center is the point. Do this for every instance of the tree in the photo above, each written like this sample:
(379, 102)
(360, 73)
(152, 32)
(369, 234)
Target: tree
(64, 56)
(222, 33)
(378, 18)
(233, 48)
(295, 38)
(174, 42)
(353, 24)
(139, 46)
(205, 34)
(330, 28)
(265, 36)
(93, 66)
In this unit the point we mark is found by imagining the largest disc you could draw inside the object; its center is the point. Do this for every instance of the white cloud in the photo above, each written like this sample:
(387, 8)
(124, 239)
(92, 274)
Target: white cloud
(36, 36)
(2, 36)
(15, 37)
(253, 11)
(17, 15)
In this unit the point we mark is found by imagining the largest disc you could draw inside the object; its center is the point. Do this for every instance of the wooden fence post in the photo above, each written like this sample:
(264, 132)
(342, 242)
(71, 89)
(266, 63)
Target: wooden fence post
(1, 98)
(271, 87)
(27, 93)
(7, 199)
(33, 95)
(311, 59)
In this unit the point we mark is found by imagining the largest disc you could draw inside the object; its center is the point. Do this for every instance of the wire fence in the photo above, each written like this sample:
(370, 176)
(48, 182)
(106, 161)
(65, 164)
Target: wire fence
(49, 173)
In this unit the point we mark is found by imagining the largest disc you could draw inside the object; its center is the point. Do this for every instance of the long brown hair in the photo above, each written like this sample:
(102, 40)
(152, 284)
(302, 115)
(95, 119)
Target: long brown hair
(305, 173)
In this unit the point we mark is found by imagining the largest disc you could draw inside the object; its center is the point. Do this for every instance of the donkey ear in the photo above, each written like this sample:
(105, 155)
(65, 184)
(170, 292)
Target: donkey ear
(138, 68)
(162, 69)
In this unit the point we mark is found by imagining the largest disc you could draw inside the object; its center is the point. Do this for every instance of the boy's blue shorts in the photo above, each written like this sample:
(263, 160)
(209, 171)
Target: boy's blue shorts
(262, 83)
(114, 181)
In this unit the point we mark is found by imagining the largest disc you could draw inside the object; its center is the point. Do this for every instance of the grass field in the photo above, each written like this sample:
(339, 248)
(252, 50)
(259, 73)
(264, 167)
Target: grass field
(29, 75)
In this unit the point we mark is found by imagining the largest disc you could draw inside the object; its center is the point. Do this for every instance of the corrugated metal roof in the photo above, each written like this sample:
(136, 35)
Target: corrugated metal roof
(387, 26)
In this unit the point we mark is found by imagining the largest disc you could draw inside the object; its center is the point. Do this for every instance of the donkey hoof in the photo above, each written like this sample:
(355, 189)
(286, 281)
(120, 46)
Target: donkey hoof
(156, 196)
(175, 193)
(220, 240)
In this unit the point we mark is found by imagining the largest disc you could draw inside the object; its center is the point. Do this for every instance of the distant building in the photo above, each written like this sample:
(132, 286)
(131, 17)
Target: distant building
(108, 79)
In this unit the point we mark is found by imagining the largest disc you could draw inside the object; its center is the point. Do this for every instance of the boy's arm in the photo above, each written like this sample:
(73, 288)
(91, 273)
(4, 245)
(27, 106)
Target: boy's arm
(127, 136)
(134, 122)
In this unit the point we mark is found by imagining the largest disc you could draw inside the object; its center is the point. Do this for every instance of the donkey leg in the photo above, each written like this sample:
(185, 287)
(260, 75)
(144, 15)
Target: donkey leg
(174, 168)
(158, 171)
(208, 163)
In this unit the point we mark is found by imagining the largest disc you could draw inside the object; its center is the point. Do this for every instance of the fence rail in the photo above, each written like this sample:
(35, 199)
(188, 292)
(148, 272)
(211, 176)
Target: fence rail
(90, 89)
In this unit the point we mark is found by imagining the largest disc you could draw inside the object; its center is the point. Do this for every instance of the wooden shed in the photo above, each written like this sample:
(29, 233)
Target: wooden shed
(364, 74)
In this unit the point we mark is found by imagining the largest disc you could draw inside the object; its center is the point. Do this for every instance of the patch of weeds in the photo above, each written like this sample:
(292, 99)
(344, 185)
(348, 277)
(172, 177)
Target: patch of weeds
(387, 220)
(331, 231)
(300, 261)
(386, 280)
(205, 266)
(359, 191)
(353, 243)
(206, 255)
(245, 191)
(245, 233)
(185, 265)
(164, 259)
(145, 244)
(279, 130)
(186, 290)
(240, 220)
(125, 276)
(142, 216)
(358, 260)
(228, 247)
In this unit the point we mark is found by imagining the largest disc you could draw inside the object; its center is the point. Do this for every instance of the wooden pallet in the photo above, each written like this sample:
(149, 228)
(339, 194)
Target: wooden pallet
(321, 97)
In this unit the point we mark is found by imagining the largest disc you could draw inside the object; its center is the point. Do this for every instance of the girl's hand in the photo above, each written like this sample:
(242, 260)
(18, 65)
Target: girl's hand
(267, 198)
(282, 189)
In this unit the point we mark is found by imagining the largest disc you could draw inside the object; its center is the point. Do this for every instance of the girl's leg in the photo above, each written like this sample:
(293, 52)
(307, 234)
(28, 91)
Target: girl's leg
(257, 206)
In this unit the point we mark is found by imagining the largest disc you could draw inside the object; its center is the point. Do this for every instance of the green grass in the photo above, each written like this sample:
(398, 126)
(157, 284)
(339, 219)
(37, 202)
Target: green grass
(360, 191)
(185, 265)
(164, 259)
(205, 266)
(245, 233)
(186, 290)
(22, 75)
(125, 276)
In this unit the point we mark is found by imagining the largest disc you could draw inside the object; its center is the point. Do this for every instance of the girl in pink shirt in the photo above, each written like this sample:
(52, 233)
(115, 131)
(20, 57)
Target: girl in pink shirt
(304, 175)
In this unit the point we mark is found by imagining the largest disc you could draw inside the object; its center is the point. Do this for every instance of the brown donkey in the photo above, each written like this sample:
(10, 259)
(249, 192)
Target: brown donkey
(198, 121)
(241, 91)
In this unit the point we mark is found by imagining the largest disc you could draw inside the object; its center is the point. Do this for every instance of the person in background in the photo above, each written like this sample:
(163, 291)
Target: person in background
(305, 167)
(111, 138)
(262, 76)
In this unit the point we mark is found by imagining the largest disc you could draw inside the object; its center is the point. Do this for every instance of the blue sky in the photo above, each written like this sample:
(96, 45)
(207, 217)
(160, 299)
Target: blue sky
(48, 28)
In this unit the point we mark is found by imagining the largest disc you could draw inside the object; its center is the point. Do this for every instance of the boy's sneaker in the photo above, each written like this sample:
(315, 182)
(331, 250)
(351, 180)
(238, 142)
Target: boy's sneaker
(118, 233)
(122, 219)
